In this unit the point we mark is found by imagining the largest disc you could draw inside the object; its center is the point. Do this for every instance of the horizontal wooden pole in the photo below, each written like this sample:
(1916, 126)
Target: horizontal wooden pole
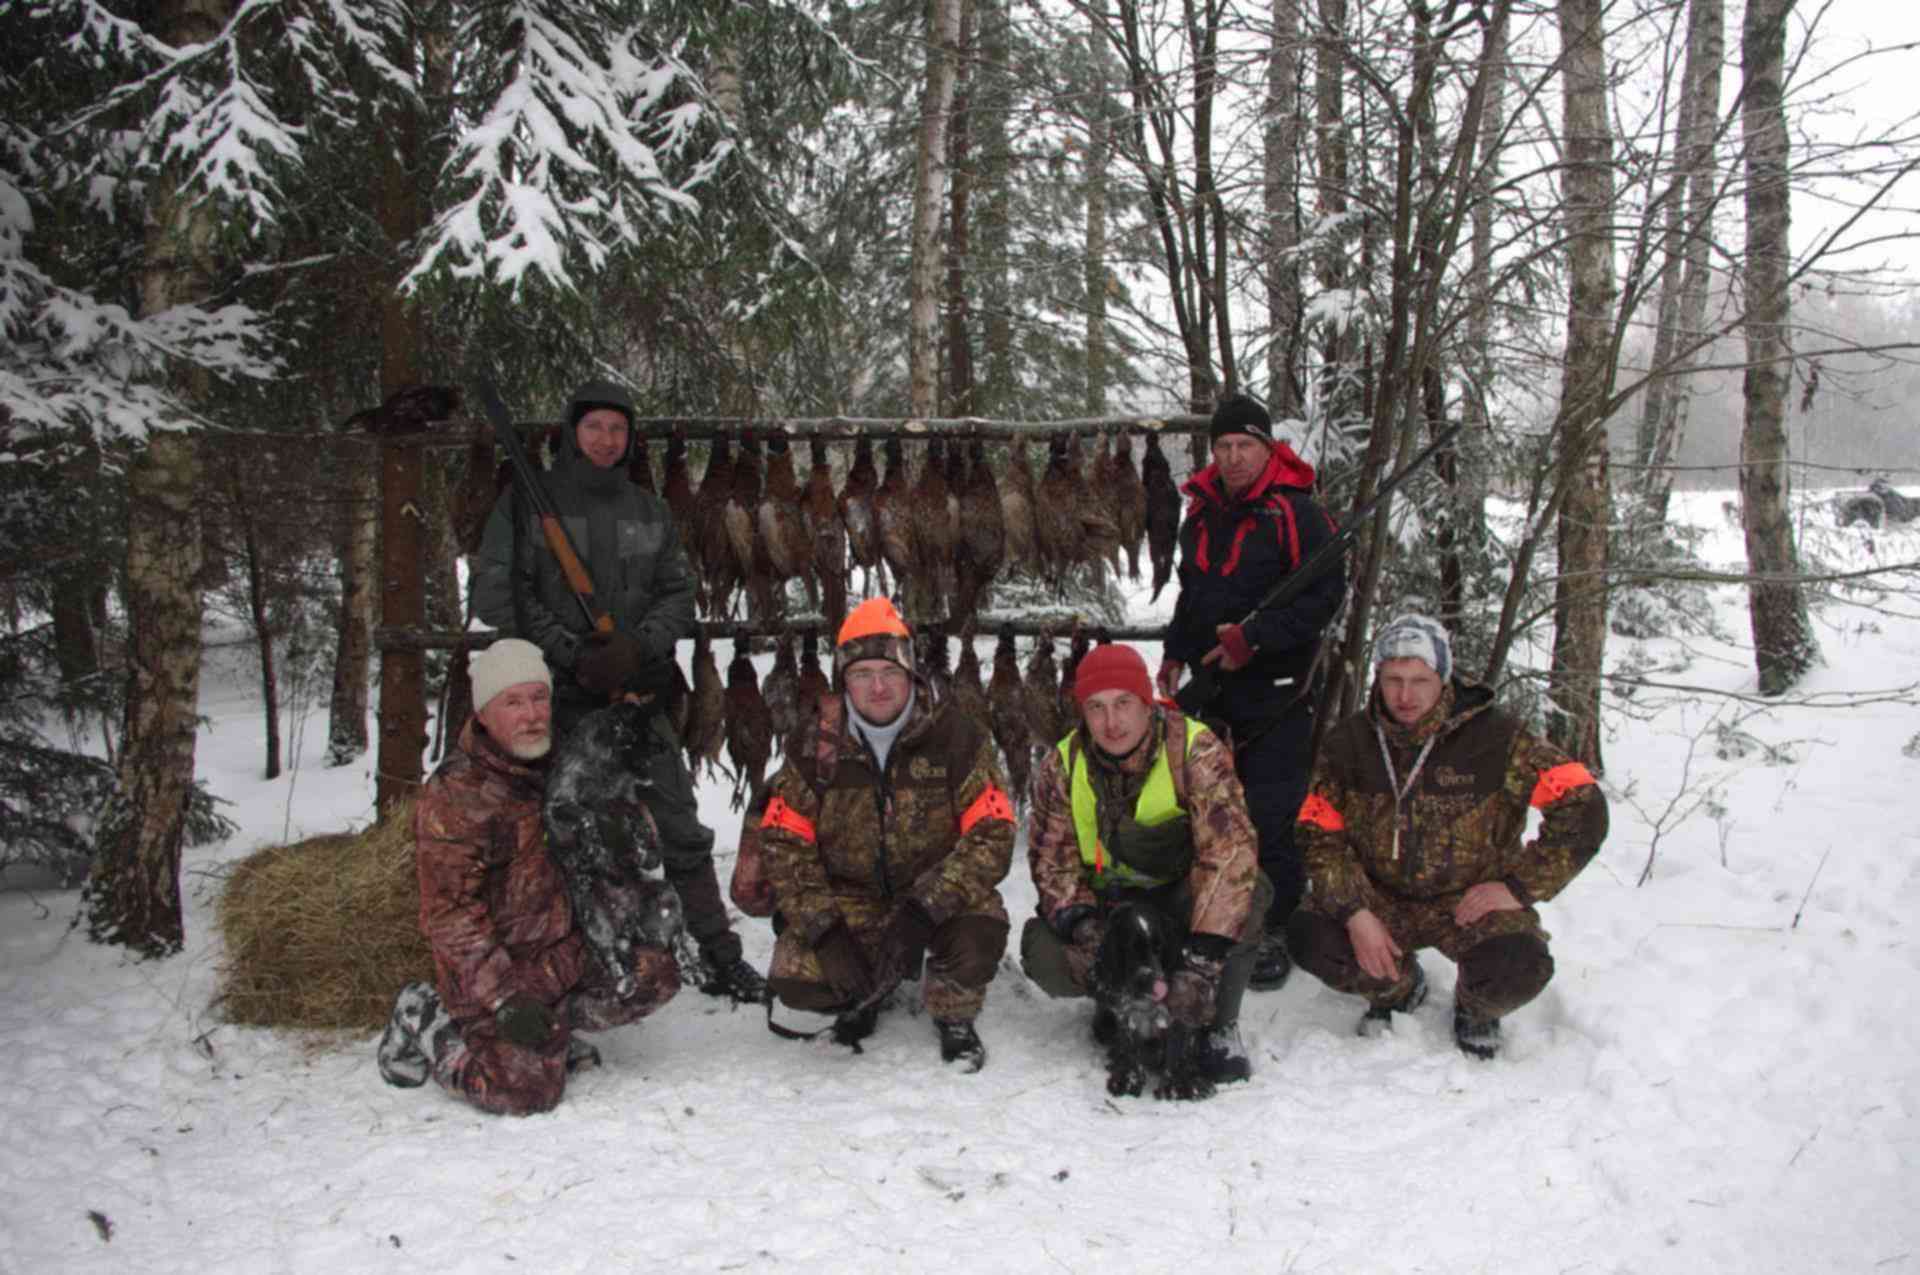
(827, 428)
(402, 638)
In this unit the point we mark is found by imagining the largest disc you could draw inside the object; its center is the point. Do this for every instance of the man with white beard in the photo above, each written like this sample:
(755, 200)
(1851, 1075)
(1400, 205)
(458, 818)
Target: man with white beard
(514, 980)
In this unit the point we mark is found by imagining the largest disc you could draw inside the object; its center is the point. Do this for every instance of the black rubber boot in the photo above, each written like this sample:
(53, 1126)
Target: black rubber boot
(1223, 1055)
(1271, 964)
(1378, 1020)
(1477, 1038)
(960, 1043)
(733, 978)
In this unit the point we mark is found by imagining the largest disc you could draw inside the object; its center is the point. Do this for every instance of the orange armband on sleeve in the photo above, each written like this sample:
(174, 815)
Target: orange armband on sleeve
(784, 817)
(990, 804)
(1320, 812)
(1557, 781)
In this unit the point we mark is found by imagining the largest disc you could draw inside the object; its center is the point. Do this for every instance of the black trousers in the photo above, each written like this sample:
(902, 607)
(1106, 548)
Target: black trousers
(1273, 753)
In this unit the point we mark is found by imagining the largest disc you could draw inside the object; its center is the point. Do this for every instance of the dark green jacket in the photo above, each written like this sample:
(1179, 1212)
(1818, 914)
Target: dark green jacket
(626, 539)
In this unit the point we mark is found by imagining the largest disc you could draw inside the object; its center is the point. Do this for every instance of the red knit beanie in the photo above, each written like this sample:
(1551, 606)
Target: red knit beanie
(1112, 667)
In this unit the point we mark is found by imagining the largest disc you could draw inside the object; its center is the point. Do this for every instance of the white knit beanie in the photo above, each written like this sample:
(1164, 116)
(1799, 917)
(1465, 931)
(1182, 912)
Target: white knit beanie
(508, 662)
(1415, 637)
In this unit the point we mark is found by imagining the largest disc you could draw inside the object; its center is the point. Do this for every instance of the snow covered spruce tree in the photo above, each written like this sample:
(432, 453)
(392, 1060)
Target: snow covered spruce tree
(561, 138)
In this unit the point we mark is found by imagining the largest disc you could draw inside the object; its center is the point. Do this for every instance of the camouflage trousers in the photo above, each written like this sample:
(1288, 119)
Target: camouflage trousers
(506, 1079)
(961, 959)
(1503, 957)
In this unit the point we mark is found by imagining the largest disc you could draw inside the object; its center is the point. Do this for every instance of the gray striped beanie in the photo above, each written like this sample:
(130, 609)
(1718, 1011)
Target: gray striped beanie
(1415, 637)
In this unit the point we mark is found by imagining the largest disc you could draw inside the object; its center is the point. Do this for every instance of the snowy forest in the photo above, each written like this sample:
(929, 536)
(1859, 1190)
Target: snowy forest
(254, 257)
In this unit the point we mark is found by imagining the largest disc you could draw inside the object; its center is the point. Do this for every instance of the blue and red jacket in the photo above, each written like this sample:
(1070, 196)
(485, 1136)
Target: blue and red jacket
(1235, 550)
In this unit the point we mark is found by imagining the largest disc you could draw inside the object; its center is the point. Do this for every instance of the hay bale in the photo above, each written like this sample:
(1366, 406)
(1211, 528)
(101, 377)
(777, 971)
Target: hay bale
(323, 933)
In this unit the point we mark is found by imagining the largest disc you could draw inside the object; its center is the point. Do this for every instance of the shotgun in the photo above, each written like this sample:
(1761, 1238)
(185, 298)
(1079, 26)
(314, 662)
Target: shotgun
(551, 528)
(1203, 685)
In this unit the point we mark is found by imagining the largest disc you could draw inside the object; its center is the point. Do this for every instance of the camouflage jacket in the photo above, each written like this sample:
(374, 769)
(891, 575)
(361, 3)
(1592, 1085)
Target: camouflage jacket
(1225, 846)
(842, 836)
(626, 540)
(1464, 817)
(492, 904)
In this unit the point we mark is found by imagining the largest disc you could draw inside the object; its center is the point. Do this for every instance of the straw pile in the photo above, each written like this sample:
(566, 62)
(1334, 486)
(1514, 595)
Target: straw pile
(323, 933)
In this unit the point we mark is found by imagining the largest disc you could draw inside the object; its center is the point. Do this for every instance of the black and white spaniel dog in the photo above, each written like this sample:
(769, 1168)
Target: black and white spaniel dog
(1140, 951)
(604, 841)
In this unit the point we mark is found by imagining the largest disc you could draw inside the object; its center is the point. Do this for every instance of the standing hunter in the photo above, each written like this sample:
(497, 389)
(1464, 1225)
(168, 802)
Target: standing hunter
(641, 577)
(1251, 521)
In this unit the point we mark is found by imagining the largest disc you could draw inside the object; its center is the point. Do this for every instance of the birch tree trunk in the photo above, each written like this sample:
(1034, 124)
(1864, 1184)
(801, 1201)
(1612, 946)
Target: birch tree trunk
(1784, 646)
(1339, 391)
(132, 896)
(929, 184)
(1099, 154)
(1706, 46)
(1280, 197)
(1580, 593)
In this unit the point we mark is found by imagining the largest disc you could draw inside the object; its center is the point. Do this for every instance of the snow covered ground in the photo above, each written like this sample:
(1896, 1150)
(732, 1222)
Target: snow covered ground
(1707, 1085)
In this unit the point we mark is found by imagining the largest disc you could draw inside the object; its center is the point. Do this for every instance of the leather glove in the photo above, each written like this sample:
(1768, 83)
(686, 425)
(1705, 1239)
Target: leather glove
(654, 677)
(908, 934)
(608, 661)
(1191, 990)
(844, 964)
(525, 1021)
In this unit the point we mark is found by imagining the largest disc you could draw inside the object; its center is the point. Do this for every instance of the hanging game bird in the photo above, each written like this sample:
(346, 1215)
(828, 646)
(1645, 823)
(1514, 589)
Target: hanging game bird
(784, 550)
(983, 536)
(934, 524)
(966, 691)
(1017, 512)
(781, 690)
(639, 467)
(1056, 520)
(1129, 499)
(739, 516)
(749, 726)
(1099, 528)
(856, 508)
(931, 657)
(814, 685)
(706, 728)
(1163, 512)
(826, 537)
(1043, 694)
(893, 518)
(1069, 708)
(677, 491)
(1006, 700)
(710, 528)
